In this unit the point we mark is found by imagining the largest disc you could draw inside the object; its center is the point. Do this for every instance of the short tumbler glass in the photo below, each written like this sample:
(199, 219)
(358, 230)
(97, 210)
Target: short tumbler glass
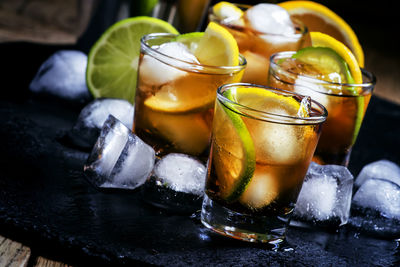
(174, 108)
(258, 160)
(257, 47)
(346, 105)
(175, 99)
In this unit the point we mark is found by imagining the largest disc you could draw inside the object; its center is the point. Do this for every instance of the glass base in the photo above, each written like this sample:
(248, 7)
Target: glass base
(262, 229)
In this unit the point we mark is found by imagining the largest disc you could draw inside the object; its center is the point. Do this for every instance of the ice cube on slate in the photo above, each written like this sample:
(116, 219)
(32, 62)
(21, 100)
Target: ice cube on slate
(181, 173)
(325, 197)
(379, 195)
(375, 207)
(176, 184)
(92, 117)
(271, 19)
(119, 158)
(382, 169)
(63, 75)
(154, 72)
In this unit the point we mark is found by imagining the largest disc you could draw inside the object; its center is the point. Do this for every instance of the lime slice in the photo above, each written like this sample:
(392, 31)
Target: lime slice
(321, 39)
(326, 61)
(324, 40)
(217, 47)
(352, 72)
(233, 152)
(113, 59)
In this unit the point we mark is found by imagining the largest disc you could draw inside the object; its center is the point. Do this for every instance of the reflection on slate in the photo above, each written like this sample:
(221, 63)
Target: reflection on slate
(45, 200)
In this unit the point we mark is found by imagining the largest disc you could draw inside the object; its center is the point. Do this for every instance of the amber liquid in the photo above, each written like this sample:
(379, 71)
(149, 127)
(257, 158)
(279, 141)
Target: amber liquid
(257, 50)
(336, 139)
(278, 174)
(339, 130)
(177, 116)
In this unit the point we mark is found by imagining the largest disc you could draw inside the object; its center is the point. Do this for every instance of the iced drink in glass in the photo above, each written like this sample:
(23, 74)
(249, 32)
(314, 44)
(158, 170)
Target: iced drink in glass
(262, 143)
(175, 96)
(346, 103)
(260, 31)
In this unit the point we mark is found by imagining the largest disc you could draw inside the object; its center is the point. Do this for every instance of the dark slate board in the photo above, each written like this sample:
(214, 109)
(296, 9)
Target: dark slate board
(46, 202)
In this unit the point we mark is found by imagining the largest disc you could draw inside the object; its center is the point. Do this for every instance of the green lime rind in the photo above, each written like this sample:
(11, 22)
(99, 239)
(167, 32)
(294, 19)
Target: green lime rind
(327, 60)
(359, 118)
(113, 60)
(188, 38)
(248, 145)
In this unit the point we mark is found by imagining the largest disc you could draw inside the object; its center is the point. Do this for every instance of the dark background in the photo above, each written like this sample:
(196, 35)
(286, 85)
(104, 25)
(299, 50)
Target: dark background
(375, 23)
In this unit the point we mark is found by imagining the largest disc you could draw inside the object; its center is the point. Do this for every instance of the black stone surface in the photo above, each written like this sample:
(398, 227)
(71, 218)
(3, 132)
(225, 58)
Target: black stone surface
(46, 203)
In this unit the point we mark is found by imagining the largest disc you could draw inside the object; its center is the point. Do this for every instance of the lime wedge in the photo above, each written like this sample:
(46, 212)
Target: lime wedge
(319, 39)
(233, 152)
(326, 61)
(113, 59)
(331, 56)
(240, 142)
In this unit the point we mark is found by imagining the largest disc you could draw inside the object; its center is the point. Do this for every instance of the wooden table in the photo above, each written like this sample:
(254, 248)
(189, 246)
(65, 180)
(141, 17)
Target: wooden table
(15, 254)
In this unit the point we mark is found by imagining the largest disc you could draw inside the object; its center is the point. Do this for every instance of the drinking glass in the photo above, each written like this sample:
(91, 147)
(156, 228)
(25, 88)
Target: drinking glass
(346, 105)
(257, 47)
(259, 155)
(174, 102)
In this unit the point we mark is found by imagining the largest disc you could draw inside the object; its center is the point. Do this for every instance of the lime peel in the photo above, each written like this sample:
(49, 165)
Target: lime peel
(119, 46)
(326, 60)
(247, 144)
(326, 46)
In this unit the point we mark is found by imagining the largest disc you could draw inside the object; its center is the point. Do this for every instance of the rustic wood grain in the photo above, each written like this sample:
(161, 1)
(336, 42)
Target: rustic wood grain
(44, 21)
(13, 254)
(43, 262)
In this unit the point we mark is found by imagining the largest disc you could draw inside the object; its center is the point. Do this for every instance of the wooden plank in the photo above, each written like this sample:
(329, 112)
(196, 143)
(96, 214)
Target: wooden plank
(43, 262)
(13, 254)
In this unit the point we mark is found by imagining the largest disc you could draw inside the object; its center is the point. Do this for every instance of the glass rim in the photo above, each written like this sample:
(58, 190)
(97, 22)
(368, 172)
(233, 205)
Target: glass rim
(299, 25)
(257, 114)
(275, 67)
(182, 64)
